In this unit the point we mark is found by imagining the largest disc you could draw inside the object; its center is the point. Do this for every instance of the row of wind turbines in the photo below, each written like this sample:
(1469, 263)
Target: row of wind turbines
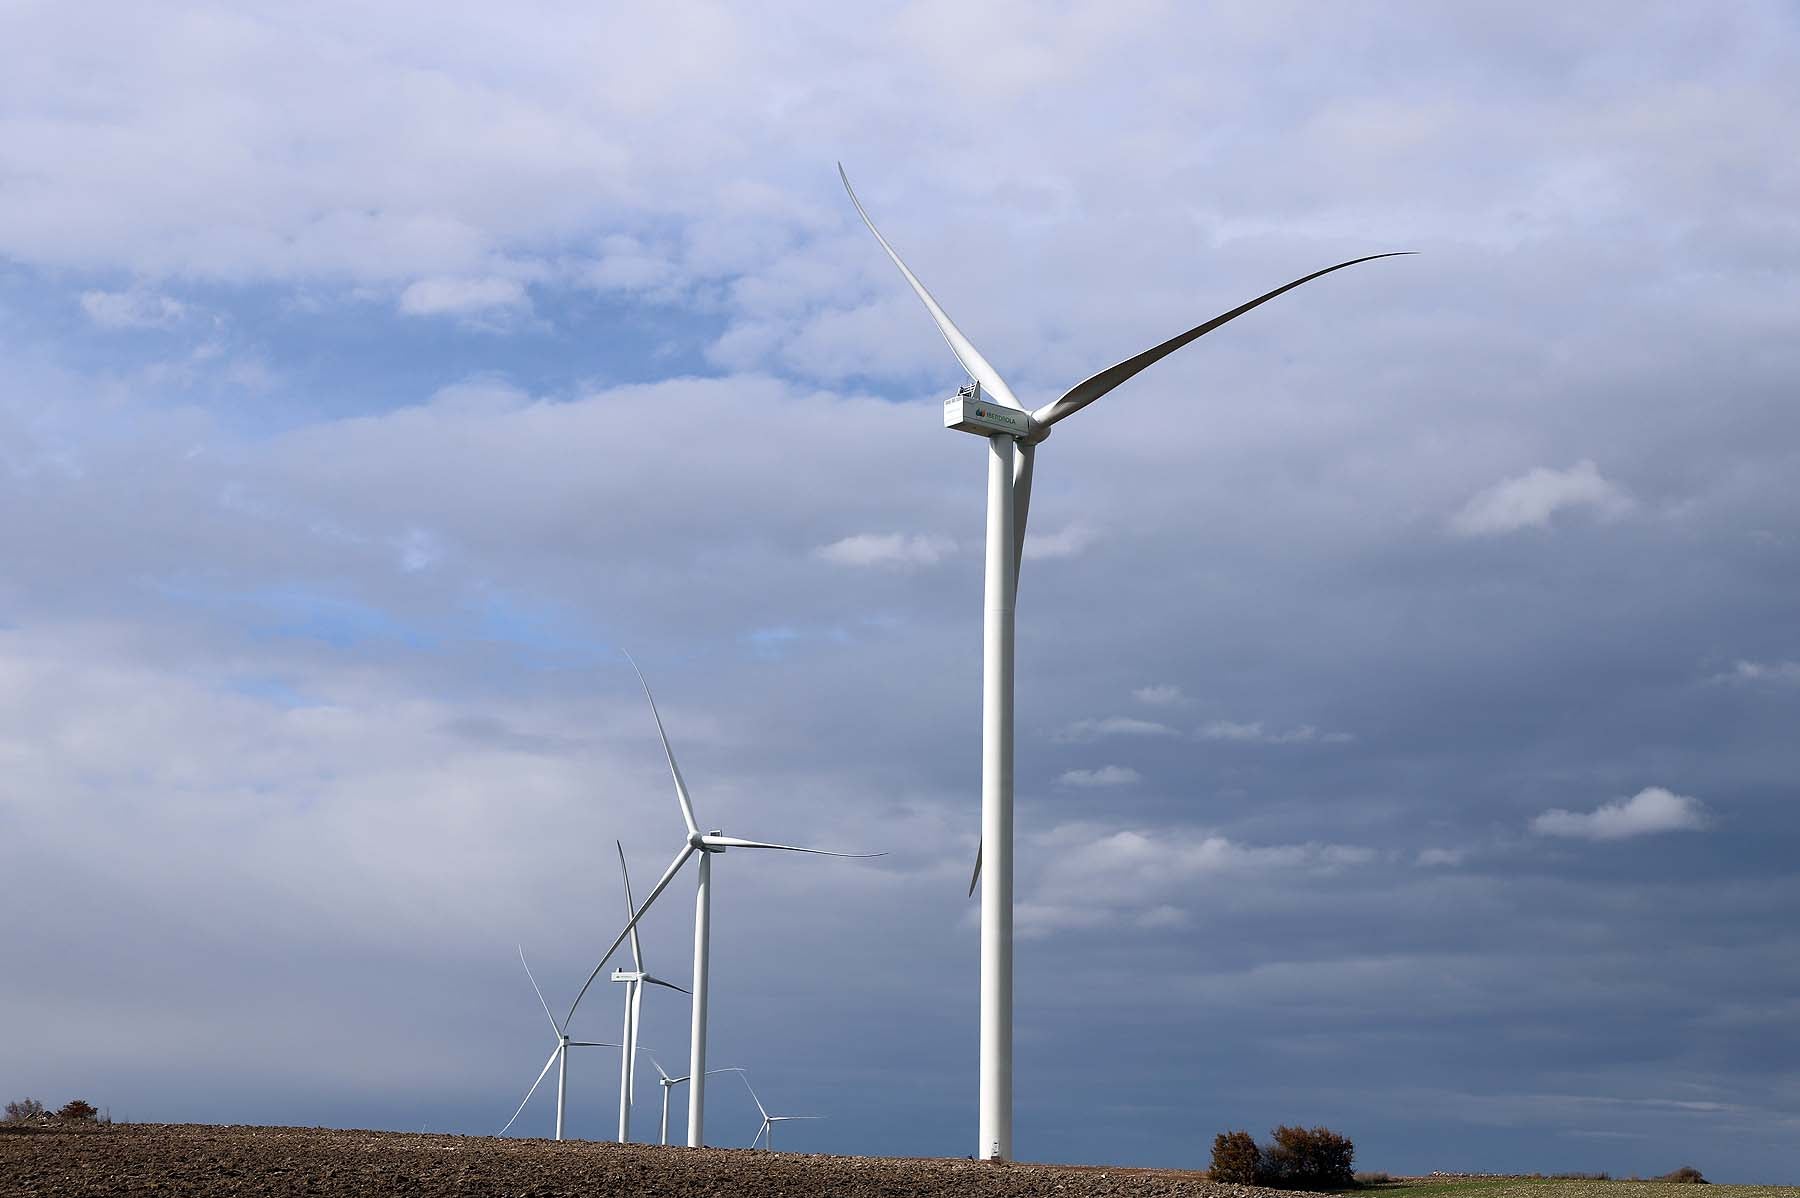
(705, 845)
(988, 408)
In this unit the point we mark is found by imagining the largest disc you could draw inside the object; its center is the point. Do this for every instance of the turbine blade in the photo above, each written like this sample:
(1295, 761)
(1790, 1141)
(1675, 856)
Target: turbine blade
(637, 953)
(554, 1026)
(965, 351)
(736, 842)
(791, 1118)
(1088, 390)
(592, 1044)
(687, 805)
(534, 1085)
(687, 850)
(745, 1074)
(1021, 503)
(976, 876)
(660, 1071)
(637, 998)
(654, 981)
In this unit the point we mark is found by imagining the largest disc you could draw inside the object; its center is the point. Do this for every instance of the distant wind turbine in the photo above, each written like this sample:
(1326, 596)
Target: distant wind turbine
(559, 1056)
(635, 979)
(707, 845)
(766, 1133)
(989, 409)
(669, 1083)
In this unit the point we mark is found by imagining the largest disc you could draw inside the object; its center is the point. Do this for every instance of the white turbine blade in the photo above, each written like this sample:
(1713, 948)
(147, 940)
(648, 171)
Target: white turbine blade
(592, 1044)
(660, 1071)
(791, 1118)
(687, 850)
(554, 1026)
(655, 981)
(637, 952)
(687, 805)
(637, 999)
(1088, 390)
(760, 1133)
(735, 842)
(1021, 503)
(534, 1085)
(976, 876)
(745, 1074)
(965, 351)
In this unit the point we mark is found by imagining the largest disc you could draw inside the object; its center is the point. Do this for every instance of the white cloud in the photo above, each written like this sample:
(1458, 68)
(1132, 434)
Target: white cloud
(1434, 858)
(1115, 725)
(453, 296)
(889, 549)
(132, 309)
(1066, 543)
(1531, 499)
(1145, 878)
(1255, 733)
(1651, 810)
(1106, 775)
(1162, 694)
(1763, 671)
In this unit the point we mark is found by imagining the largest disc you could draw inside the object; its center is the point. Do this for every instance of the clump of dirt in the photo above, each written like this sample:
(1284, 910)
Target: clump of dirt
(149, 1158)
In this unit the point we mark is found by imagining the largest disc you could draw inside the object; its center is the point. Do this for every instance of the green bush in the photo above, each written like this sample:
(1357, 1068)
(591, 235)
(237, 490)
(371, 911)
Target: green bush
(1236, 1159)
(1687, 1174)
(1308, 1159)
(79, 1109)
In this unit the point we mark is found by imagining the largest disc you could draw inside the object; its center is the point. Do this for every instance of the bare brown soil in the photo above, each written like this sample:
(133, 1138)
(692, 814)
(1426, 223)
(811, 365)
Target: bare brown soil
(174, 1159)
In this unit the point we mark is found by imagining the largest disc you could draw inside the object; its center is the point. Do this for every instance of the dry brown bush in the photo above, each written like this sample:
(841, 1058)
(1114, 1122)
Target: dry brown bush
(1236, 1160)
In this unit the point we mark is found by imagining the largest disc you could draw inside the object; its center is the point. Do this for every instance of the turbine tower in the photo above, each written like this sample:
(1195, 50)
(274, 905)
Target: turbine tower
(988, 408)
(707, 845)
(635, 979)
(559, 1056)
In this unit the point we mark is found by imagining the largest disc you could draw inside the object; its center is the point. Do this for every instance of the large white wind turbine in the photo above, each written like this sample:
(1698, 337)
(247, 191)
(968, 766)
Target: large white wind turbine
(635, 980)
(707, 845)
(559, 1056)
(989, 409)
(766, 1133)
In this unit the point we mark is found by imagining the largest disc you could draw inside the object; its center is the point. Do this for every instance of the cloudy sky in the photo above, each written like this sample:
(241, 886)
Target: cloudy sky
(1407, 672)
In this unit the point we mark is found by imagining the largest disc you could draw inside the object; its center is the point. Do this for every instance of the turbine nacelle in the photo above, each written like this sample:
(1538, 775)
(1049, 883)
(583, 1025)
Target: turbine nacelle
(969, 411)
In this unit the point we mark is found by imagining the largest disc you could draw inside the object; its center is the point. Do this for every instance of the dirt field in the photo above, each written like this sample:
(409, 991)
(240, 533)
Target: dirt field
(141, 1158)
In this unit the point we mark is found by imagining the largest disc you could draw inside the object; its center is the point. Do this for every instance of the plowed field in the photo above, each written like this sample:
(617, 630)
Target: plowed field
(163, 1159)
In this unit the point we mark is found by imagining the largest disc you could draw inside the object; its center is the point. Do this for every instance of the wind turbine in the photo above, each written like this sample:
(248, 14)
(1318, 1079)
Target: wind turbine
(707, 845)
(669, 1083)
(635, 979)
(768, 1121)
(559, 1056)
(988, 408)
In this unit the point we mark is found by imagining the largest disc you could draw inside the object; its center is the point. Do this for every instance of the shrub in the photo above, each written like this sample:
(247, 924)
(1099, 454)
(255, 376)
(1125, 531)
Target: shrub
(1236, 1160)
(25, 1108)
(79, 1109)
(1687, 1174)
(1308, 1159)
